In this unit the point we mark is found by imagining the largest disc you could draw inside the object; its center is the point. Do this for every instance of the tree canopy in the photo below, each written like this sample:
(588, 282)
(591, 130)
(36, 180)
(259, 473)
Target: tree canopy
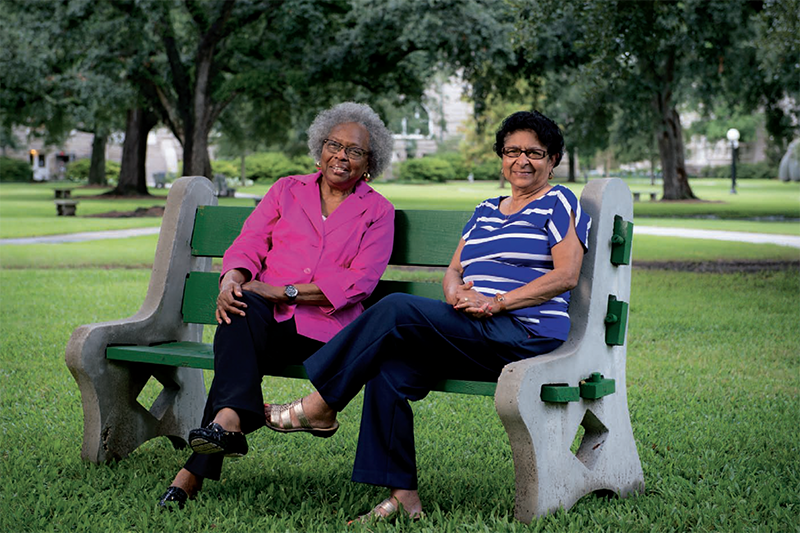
(614, 72)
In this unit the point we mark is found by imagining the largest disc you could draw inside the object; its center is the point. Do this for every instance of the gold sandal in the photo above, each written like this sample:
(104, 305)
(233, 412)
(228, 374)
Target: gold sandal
(278, 418)
(390, 511)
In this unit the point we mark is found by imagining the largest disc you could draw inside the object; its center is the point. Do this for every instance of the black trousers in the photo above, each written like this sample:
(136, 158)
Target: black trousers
(244, 351)
(399, 348)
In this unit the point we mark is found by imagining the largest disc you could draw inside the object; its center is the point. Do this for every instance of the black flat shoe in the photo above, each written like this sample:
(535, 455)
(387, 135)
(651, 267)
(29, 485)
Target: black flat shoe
(173, 496)
(214, 439)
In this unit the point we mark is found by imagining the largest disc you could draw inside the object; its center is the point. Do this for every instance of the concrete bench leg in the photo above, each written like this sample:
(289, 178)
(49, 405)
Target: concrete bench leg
(115, 423)
(549, 475)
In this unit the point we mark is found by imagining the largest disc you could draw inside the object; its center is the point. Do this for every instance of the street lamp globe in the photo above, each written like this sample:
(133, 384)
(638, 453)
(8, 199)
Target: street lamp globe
(733, 137)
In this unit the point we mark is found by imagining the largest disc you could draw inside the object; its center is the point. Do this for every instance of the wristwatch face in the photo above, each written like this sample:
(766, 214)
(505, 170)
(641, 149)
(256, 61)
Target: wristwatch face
(291, 292)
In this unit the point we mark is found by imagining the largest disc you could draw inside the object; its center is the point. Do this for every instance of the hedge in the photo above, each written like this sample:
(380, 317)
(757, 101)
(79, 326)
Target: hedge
(744, 171)
(78, 170)
(426, 169)
(15, 169)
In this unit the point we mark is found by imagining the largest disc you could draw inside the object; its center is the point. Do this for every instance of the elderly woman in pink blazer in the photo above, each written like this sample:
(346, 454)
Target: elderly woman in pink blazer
(310, 253)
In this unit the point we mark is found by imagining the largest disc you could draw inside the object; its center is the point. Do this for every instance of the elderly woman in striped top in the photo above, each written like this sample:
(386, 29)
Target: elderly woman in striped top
(507, 294)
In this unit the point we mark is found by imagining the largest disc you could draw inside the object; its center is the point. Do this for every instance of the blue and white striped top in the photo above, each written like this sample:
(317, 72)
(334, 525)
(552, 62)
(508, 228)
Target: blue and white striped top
(503, 253)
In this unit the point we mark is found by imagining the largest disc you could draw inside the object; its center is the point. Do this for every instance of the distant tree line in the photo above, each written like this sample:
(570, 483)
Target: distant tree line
(251, 74)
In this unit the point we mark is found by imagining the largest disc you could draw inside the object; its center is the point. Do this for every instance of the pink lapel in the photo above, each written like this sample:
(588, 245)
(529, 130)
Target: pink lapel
(352, 207)
(307, 197)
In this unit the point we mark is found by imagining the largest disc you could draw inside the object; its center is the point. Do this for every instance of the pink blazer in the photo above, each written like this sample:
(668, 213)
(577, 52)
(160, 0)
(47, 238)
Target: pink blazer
(285, 241)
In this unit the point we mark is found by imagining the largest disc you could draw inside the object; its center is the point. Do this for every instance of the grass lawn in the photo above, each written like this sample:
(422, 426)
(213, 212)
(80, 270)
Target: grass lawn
(714, 394)
(713, 382)
(28, 210)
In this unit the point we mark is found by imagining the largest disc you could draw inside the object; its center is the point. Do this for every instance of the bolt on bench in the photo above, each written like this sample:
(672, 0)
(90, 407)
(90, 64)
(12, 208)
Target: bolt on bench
(543, 402)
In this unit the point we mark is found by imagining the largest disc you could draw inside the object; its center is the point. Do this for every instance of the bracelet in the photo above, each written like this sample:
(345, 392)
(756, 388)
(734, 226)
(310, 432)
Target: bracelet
(500, 299)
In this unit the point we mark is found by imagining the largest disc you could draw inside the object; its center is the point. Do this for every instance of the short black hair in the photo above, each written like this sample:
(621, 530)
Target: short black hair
(545, 129)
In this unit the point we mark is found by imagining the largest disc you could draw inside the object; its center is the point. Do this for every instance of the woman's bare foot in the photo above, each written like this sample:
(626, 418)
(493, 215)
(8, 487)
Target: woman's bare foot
(228, 419)
(410, 501)
(184, 487)
(402, 501)
(188, 482)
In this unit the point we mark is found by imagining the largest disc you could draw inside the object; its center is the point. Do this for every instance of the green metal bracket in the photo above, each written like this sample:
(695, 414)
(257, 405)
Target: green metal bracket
(596, 386)
(616, 320)
(621, 241)
(559, 393)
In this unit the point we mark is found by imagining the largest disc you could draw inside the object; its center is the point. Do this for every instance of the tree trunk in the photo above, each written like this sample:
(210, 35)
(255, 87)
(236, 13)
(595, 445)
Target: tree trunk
(132, 177)
(197, 162)
(571, 161)
(195, 159)
(97, 167)
(671, 152)
(652, 168)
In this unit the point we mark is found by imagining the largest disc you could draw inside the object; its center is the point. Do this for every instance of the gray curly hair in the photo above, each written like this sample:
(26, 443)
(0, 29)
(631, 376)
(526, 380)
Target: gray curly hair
(381, 141)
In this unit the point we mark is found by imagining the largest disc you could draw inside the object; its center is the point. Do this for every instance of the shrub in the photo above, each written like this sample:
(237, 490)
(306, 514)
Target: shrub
(15, 170)
(426, 169)
(757, 171)
(488, 170)
(270, 166)
(79, 171)
(460, 167)
(745, 171)
(228, 168)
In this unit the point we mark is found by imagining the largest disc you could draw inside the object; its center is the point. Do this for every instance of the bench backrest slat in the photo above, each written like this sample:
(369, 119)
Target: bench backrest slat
(426, 238)
(422, 238)
(215, 228)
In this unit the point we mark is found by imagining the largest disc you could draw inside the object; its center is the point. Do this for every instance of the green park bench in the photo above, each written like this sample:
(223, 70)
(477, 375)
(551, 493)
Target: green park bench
(579, 390)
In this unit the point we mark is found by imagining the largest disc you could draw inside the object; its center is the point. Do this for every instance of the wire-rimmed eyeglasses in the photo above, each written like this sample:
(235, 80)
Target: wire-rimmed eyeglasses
(353, 153)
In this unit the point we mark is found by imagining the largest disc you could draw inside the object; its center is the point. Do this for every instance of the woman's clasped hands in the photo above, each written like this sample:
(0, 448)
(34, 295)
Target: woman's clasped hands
(471, 302)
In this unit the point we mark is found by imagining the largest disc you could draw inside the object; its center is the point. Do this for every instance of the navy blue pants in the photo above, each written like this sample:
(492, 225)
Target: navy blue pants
(244, 351)
(398, 349)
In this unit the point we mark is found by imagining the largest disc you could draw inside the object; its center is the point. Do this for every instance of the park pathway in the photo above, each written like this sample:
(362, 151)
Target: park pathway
(83, 237)
(737, 236)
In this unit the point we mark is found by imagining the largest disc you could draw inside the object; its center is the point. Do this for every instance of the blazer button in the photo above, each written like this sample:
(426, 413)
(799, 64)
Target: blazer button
(307, 270)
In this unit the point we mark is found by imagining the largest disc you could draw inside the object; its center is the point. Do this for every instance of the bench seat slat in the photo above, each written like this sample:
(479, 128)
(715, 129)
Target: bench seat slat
(201, 355)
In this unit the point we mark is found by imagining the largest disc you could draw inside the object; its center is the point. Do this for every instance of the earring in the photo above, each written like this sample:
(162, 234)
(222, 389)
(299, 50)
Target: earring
(366, 176)
(318, 165)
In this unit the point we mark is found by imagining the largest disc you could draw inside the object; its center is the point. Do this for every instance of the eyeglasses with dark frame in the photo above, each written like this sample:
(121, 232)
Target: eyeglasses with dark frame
(353, 153)
(532, 153)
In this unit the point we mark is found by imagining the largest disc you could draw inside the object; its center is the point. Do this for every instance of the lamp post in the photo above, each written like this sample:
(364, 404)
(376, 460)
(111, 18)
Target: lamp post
(733, 137)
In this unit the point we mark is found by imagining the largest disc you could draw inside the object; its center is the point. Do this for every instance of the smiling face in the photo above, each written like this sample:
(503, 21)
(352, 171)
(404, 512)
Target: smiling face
(338, 170)
(527, 175)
